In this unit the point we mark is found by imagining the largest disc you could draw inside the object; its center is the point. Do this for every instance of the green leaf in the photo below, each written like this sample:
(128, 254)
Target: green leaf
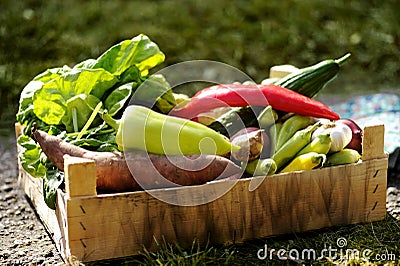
(88, 64)
(51, 182)
(155, 91)
(117, 98)
(139, 51)
(52, 73)
(26, 109)
(30, 157)
(87, 81)
(83, 105)
(50, 102)
(49, 106)
(103, 142)
(130, 75)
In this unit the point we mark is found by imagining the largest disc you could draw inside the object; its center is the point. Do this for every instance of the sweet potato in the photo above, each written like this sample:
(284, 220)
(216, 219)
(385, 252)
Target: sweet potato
(158, 171)
(118, 171)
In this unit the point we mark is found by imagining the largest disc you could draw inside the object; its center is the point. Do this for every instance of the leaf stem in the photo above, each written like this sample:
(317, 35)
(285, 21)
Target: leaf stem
(90, 120)
(75, 119)
(114, 123)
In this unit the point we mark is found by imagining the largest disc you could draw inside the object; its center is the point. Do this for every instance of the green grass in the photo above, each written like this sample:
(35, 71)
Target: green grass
(376, 240)
(250, 35)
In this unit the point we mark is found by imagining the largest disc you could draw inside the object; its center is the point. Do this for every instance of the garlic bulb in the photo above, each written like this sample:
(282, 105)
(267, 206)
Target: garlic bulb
(340, 134)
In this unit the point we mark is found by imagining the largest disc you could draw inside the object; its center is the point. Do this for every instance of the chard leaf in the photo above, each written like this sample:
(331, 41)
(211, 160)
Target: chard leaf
(88, 64)
(87, 81)
(155, 91)
(101, 142)
(52, 73)
(84, 105)
(139, 51)
(50, 102)
(25, 109)
(51, 182)
(117, 98)
(25, 112)
(31, 157)
(130, 75)
(49, 106)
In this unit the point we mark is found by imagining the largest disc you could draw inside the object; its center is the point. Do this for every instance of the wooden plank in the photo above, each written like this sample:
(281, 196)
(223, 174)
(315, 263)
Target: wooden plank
(373, 142)
(80, 176)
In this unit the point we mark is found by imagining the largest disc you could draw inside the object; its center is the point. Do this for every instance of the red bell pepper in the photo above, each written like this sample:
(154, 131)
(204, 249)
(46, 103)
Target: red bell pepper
(239, 95)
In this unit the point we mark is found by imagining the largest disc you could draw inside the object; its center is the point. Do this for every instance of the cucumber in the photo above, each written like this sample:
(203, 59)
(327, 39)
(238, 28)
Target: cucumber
(310, 80)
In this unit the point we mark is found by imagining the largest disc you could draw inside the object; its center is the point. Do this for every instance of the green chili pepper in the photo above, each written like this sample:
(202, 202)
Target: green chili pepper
(144, 129)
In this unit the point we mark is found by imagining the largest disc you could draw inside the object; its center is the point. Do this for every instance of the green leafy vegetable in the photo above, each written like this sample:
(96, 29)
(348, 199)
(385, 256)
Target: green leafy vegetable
(118, 98)
(67, 101)
(50, 102)
(52, 181)
(155, 90)
(83, 106)
(48, 94)
(31, 157)
(140, 52)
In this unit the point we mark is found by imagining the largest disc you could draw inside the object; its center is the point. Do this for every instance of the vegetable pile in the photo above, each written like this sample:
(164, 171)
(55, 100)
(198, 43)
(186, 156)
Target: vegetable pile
(147, 138)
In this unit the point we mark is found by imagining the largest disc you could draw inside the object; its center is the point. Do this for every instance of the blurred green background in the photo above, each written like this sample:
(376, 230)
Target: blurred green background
(250, 35)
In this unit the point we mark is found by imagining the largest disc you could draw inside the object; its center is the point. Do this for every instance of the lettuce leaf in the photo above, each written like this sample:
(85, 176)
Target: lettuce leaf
(155, 91)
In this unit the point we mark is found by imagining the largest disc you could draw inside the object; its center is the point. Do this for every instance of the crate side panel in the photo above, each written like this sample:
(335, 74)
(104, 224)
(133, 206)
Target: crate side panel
(308, 200)
(131, 223)
(376, 189)
(292, 202)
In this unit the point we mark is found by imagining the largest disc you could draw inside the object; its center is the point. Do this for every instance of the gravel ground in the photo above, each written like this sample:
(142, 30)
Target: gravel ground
(23, 238)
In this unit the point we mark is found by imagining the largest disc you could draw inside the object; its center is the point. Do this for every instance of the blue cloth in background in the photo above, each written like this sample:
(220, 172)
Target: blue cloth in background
(375, 109)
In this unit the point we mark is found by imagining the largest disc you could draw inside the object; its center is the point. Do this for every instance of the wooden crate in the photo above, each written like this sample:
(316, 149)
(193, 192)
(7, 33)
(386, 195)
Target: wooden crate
(88, 227)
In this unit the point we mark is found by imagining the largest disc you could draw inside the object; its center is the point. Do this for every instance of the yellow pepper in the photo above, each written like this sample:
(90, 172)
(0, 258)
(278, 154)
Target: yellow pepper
(305, 161)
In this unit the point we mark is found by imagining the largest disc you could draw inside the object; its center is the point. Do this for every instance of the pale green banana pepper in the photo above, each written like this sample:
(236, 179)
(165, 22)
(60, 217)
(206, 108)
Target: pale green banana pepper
(143, 129)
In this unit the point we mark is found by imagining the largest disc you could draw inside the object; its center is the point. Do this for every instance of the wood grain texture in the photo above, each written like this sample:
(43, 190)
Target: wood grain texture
(373, 142)
(80, 176)
(104, 226)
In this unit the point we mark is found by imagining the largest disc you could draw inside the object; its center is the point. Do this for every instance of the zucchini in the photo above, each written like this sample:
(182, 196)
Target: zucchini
(237, 118)
(310, 80)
